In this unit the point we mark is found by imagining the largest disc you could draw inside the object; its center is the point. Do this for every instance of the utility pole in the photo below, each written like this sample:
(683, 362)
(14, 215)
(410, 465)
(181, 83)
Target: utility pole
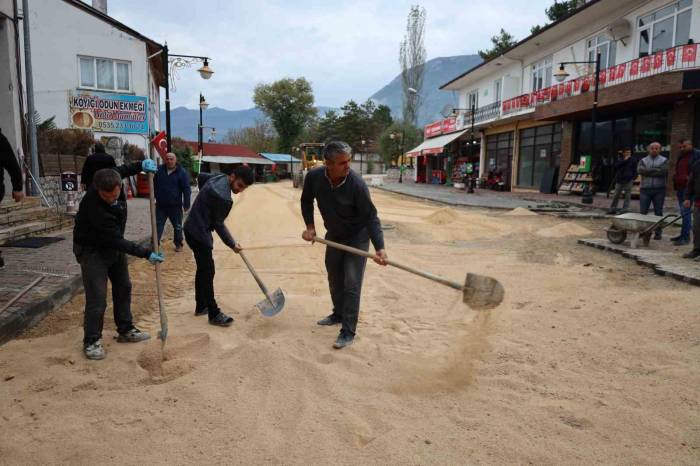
(31, 110)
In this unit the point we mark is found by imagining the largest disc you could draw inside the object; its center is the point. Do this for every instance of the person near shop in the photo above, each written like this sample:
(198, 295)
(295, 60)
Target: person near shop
(172, 192)
(8, 162)
(208, 213)
(692, 200)
(98, 160)
(687, 158)
(625, 174)
(654, 170)
(350, 218)
(101, 250)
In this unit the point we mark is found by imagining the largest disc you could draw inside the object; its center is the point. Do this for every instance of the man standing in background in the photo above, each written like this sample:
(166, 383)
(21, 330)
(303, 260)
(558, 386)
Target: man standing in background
(8, 161)
(172, 193)
(688, 157)
(98, 160)
(625, 173)
(654, 170)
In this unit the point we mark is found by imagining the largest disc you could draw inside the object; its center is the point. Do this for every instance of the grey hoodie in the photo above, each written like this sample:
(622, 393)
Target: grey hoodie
(209, 211)
(654, 171)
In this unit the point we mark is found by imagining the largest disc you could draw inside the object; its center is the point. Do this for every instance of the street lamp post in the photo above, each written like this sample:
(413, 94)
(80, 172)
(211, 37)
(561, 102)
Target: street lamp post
(203, 104)
(561, 75)
(362, 154)
(177, 62)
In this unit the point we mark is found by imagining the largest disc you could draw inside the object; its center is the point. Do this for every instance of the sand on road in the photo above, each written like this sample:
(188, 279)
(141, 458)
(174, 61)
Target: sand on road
(590, 359)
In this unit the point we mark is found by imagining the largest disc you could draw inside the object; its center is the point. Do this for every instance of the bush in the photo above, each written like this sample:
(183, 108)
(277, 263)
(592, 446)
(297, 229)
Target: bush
(65, 141)
(370, 167)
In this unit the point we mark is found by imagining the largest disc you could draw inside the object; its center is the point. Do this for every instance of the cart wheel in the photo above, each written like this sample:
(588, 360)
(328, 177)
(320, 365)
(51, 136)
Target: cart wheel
(616, 236)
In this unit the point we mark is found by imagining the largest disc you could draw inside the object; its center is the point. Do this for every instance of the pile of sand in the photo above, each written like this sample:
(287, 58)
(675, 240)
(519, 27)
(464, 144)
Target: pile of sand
(521, 212)
(563, 230)
(442, 216)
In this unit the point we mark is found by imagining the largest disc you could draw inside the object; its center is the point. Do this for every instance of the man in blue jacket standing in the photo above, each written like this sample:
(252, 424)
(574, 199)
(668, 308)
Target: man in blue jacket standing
(172, 192)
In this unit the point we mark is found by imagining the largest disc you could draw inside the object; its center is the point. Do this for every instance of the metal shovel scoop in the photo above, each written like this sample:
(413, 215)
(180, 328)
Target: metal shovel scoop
(478, 292)
(273, 303)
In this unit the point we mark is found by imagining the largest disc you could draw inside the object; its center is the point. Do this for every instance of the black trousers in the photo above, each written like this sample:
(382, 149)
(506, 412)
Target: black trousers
(96, 268)
(345, 274)
(204, 277)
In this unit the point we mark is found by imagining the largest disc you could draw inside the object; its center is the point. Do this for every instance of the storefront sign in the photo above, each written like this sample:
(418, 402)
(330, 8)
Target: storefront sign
(448, 125)
(673, 59)
(108, 112)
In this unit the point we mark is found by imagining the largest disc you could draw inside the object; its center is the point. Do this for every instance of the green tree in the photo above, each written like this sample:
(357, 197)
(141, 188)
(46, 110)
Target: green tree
(261, 137)
(501, 42)
(185, 155)
(559, 10)
(390, 148)
(289, 103)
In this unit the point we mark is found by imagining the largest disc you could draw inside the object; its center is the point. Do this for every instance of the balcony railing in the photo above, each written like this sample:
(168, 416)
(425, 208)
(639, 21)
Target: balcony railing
(485, 113)
(674, 59)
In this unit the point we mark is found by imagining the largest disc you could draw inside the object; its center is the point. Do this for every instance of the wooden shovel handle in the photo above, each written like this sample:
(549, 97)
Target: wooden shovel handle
(398, 265)
(255, 275)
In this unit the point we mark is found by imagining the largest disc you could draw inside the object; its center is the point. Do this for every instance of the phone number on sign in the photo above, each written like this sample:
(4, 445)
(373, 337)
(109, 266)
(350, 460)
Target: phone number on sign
(119, 125)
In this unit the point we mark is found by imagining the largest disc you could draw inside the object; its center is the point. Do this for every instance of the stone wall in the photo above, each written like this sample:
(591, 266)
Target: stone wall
(51, 187)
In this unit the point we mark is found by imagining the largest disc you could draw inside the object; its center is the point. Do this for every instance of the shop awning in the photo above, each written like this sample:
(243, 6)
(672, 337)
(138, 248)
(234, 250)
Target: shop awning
(434, 145)
(280, 158)
(234, 159)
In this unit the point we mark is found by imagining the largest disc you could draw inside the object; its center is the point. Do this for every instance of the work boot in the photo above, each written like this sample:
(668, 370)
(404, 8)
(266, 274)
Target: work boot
(94, 350)
(657, 236)
(221, 319)
(201, 312)
(681, 242)
(676, 238)
(133, 336)
(692, 254)
(611, 212)
(343, 340)
(329, 320)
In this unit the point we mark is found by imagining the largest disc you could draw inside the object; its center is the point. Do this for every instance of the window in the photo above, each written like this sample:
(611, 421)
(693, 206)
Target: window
(665, 28)
(105, 74)
(497, 90)
(540, 148)
(499, 153)
(607, 48)
(473, 99)
(542, 74)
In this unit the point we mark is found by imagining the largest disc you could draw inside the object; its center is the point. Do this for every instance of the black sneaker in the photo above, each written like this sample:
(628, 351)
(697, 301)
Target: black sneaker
(676, 238)
(330, 320)
(221, 319)
(692, 254)
(201, 312)
(681, 242)
(2, 263)
(133, 336)
(657, 236)
(343, 340)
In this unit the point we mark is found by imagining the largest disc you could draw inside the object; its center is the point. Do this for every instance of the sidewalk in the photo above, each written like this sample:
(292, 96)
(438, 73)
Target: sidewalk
(489, 199)
(60, 272)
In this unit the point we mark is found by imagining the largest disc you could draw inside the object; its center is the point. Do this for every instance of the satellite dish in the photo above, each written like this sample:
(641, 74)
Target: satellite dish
(447, 111)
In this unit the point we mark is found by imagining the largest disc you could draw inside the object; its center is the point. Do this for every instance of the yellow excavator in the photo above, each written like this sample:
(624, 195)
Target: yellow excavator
(311, 156)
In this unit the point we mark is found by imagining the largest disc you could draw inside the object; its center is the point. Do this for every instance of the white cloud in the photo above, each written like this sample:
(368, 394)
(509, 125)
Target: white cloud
(348, 50)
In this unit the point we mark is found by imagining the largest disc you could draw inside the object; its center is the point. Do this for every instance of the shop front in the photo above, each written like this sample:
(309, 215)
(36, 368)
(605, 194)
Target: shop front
(499, 156)
(436, 157)
(539, 152)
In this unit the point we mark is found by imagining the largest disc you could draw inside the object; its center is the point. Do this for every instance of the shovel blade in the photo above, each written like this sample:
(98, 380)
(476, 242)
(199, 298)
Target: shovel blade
(481, 292)
(274, 306)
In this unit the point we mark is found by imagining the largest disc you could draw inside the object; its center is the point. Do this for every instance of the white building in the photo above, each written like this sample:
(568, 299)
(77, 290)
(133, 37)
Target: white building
(89, 71)
(527, 123)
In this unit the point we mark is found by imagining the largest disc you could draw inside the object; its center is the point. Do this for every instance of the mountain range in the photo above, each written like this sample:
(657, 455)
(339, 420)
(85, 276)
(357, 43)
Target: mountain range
(438, 71)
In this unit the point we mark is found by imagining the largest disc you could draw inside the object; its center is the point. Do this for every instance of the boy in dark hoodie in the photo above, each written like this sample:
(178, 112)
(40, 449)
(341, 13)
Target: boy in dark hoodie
(208, 213)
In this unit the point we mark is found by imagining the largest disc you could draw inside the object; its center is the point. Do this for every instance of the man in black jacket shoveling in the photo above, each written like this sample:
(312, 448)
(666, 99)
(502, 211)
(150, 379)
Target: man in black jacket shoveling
(208, 213)
(350, 218)
(100, 248)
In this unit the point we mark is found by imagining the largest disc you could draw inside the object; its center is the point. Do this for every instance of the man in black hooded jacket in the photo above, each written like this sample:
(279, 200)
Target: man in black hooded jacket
(208, 213)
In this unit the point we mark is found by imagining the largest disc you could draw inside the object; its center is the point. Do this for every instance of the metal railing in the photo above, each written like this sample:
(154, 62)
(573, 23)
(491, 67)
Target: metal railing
(485, 113)
(677, 58)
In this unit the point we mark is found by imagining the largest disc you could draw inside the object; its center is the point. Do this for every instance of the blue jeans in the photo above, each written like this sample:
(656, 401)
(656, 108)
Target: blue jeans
(647, 196)
(174, 214)
(345, 274)
(687, 216)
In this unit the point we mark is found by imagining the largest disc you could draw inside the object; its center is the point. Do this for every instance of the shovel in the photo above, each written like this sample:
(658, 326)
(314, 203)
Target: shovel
(273, 303)
(478, 292)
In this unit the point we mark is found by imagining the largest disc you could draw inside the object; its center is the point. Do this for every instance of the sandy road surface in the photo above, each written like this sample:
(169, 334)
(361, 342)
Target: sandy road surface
(590, 359)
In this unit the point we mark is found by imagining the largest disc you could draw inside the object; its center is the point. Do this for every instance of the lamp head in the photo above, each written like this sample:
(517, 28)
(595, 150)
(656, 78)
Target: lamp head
(205, 72)
(203, 104)
(561, 74)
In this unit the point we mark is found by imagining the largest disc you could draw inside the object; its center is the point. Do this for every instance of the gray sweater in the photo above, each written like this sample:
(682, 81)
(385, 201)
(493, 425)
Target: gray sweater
(654, 171)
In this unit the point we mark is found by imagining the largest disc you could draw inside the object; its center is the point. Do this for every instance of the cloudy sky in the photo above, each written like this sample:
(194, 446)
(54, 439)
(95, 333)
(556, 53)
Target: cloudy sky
(347, 49)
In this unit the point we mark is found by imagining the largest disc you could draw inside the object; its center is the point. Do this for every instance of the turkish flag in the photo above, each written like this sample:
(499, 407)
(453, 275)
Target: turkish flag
(569, 87)
(658, 60)
(160, 143)
(634, 68)
(621, 70)
(553, 93)
(646, 64)
(577, 85)
(603, 77)
(671, 57)
(690, 53)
